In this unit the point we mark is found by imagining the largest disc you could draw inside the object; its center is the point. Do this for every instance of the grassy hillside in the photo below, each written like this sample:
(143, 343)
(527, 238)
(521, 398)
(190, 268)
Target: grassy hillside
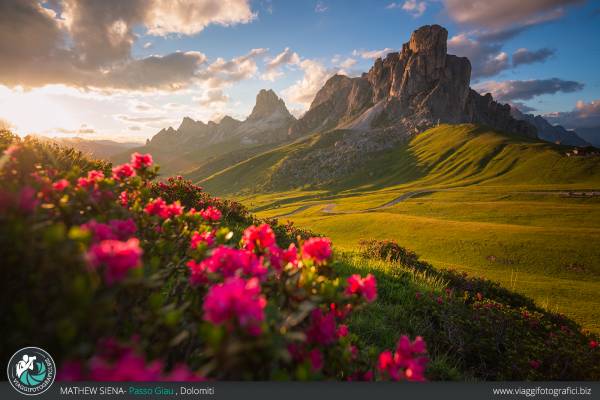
(60, 224)
(514, 210)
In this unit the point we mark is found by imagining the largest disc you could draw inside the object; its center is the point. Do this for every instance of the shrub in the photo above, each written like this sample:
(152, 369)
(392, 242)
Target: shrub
(494, 334)
(123, 278)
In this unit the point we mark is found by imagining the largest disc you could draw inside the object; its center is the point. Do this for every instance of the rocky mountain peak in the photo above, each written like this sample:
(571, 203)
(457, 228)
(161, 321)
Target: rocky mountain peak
(409, 92)
(267, 104)
(429, 39)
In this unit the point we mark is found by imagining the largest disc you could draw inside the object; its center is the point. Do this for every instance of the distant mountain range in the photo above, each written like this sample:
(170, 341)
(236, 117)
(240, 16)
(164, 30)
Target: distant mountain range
(402, 95)
(97, 148)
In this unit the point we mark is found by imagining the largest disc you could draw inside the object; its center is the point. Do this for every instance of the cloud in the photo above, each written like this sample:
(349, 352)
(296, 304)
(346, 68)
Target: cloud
(134, 128)
(524, 56)
(505, 13)
(147, 45)
(304, 90)
(584, 115)
(413, 7)
(212, 97)
(221, 72)
(524, 108)
(89, 44)
(321, 7)
(507, 91)
(372, 54)
(189, 17)
(144, 119)
(487, 59)
(286, 57)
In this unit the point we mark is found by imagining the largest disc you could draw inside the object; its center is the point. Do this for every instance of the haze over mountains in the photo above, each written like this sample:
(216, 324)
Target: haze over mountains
(403, 94)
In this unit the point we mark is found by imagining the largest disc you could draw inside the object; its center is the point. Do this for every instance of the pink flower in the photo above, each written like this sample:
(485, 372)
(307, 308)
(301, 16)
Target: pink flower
(229, 262)
(593, 344)
(535, 364)
(366, 287)
(60, 185)
(322, 329)
(290, 255)
(342, 330)
(157, 207)
(258, 237)
(318, 249)
(27, 200)
(91, 181)
(206, 238)
(122, 172)
(316, 360)
(116, 229)
(197, 273)
(139, 161)
(407, 362)
(124, 198)
(174, 209)
(210, 214)
(236, 299)
(128, 367)
(116, 256)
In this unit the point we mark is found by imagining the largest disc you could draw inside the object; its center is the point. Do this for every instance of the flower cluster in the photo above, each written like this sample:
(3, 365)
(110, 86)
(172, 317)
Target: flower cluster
(407, 362)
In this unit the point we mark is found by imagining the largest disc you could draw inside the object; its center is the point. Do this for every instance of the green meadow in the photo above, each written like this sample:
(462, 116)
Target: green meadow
(513, 210)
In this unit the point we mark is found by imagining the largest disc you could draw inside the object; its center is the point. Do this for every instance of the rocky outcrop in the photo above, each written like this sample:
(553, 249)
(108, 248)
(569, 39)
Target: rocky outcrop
(414, 89)
(548, 132)
(269, 122)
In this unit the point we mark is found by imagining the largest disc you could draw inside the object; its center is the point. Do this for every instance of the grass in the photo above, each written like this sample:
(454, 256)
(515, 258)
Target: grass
(490, 204)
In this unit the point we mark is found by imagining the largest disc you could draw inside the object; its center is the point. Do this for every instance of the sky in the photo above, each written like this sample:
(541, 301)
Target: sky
(124, 69)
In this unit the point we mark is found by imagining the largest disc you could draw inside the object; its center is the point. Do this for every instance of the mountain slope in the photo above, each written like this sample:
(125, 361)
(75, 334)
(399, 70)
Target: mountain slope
(446, 155)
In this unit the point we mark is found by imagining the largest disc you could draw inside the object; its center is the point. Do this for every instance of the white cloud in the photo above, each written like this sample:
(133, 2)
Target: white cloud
(321, 7)
(189, 17)
(222, 72)
(372, 54)
(303, 91)
(212, 98)
(414, 7)
(286, 57)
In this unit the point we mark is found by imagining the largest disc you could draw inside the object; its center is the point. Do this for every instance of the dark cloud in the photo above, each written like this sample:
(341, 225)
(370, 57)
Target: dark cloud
(525, 56)
(507, 91)
(524, 108)
(506, 13)
(584, 115)
(87, 43)
(487, 58)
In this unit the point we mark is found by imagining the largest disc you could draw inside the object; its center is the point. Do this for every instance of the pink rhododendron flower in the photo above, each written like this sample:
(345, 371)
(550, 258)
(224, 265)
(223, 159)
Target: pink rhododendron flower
(317, 249)
(27, 200)
(174, 209)
(407, 362)
(258, 237)
(316, 360)
(535, 364)
(91, 181)
(122, 172)
(197, 273)
(342, 330)
(593, 344)
(366, 287)
(60, 185)
(116, 229)
(157, 207)
(207, 238)
(229, 262)
(124, 198)
(128, 367)
(117, 257)
(290, 255)
(236, 299)
(139, 161)
(210, 214)
(322, 329)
